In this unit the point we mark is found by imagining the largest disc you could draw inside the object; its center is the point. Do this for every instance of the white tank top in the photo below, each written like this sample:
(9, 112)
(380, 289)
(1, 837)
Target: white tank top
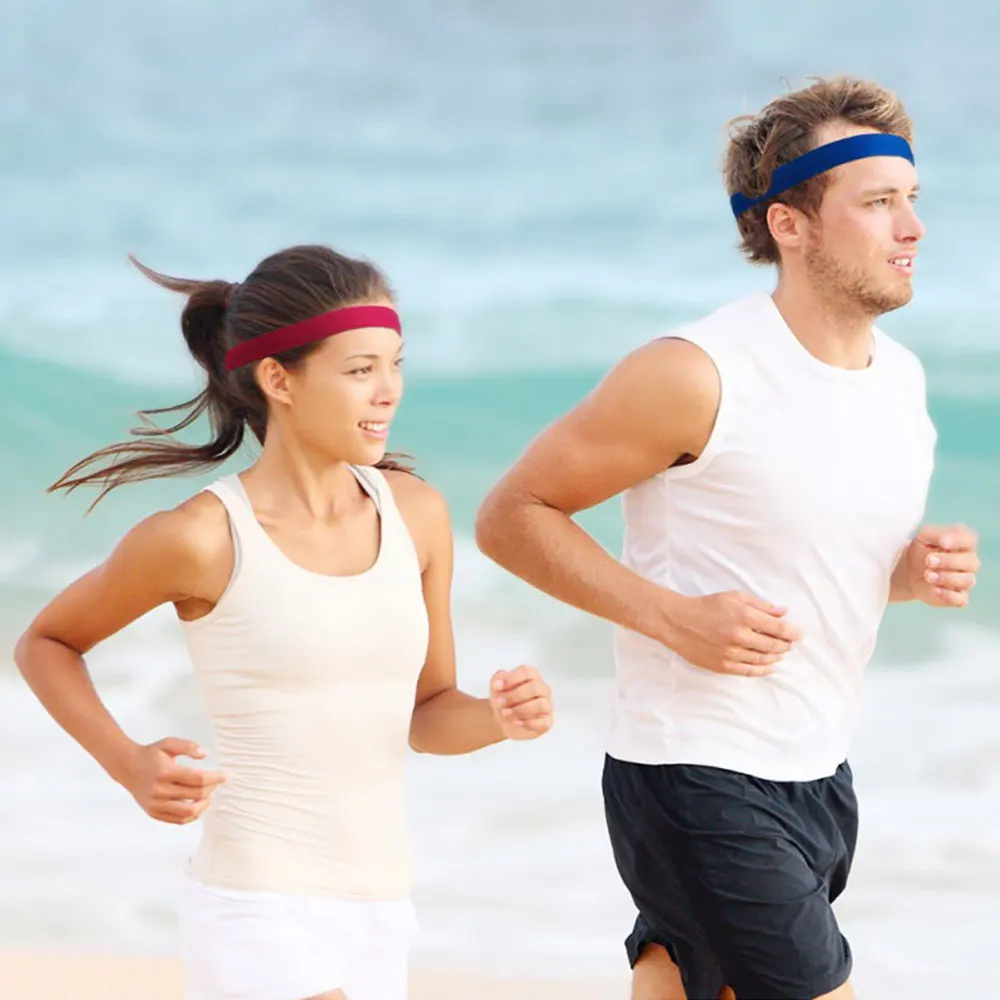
(809, 488)
(310, 683)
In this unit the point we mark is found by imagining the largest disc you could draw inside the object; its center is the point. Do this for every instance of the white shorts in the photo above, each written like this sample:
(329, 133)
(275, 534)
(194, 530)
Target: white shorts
(271, 946)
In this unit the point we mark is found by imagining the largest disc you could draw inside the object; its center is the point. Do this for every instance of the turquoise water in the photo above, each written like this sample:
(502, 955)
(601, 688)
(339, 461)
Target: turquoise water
(540, 183)
(464, 430)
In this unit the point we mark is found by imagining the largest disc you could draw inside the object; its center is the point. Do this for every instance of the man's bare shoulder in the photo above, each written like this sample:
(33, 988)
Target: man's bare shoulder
(674, 363)
(668, 386)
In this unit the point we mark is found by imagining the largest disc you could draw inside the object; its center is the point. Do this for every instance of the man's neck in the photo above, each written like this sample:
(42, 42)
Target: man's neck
(830, 332)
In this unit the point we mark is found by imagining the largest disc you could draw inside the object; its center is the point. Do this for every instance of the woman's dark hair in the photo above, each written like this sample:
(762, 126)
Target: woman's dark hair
(285, 288)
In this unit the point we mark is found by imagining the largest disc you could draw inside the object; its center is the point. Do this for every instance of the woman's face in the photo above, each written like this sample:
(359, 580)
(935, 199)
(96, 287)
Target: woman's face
(341, 400)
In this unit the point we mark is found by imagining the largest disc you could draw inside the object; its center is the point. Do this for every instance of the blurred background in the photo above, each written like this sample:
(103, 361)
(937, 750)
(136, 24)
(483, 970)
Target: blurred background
(540, 182)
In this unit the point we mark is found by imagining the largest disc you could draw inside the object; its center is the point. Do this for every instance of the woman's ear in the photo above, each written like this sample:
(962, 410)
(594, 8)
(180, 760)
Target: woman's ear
(272, 379)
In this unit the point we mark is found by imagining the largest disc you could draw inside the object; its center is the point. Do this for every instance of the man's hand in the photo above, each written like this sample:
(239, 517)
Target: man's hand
(941, 564)
(731, 633)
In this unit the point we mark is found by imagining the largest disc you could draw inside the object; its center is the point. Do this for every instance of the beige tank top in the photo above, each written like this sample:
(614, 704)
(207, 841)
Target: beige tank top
(310, 682)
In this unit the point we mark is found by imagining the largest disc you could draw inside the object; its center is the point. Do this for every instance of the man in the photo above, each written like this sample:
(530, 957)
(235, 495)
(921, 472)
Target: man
(775, 459)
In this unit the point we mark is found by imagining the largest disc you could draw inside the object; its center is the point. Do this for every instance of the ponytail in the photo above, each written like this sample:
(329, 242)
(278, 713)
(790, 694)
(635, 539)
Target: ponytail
(157, 453)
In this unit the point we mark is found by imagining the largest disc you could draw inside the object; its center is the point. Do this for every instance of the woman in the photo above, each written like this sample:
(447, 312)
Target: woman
(314, 592)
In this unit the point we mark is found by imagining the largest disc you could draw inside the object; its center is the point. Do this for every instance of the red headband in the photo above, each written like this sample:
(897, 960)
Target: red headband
(318, 328)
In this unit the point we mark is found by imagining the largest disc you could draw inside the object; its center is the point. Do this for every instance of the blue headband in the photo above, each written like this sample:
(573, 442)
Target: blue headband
(825, 157)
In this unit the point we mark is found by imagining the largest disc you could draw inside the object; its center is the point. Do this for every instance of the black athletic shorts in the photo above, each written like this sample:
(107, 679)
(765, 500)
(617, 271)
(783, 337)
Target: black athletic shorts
(735, 875)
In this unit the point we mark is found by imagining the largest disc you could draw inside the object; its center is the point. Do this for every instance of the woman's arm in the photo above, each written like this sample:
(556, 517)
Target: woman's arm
(177, 556)
(445, 719)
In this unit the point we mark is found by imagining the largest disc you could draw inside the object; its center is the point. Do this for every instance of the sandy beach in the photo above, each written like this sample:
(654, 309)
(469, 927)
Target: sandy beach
(44, 976)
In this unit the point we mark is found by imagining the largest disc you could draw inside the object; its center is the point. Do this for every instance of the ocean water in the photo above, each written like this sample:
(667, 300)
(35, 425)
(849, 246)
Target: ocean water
(540, 182)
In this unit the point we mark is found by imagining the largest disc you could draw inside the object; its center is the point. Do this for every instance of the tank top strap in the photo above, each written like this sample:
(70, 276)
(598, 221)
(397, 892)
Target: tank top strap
(395, 532)
(234, 498)
(374, 484)
(243, 525)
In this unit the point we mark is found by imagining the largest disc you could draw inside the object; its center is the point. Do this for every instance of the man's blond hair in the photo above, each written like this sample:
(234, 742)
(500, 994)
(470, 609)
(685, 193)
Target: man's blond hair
(786, 128)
